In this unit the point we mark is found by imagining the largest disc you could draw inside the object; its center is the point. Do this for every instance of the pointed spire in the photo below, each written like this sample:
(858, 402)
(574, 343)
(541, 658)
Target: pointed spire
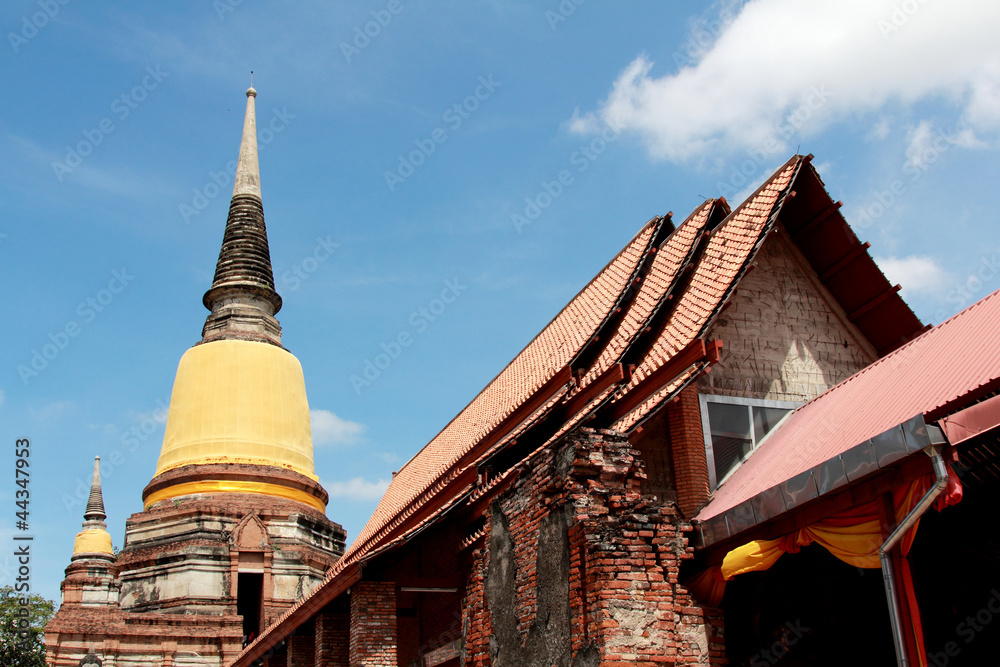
(247, 168)
(95, 504)
(94, 542)
(242, 299)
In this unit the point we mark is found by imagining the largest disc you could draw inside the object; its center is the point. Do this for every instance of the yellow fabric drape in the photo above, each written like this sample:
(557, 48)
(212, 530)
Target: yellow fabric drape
(853, 536)
(708, 586)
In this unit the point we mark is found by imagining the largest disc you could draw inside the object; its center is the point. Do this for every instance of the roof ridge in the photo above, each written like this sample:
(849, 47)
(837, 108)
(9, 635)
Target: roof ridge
(569, 303)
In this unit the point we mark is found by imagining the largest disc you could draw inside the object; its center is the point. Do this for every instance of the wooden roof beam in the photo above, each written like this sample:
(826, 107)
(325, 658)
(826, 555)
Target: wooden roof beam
(815, 222)
(873, 303)
(844, 261)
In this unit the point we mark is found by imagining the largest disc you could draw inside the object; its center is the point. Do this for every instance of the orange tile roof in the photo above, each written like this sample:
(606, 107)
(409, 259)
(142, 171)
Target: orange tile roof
(543, 357)
(730, 248)
(669, 260)
(718, 268)
(723, 260)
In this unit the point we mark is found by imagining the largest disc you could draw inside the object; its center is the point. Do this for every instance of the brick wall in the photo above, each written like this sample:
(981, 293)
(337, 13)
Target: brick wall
(476, 627)
(332, 638)
(580, 568)
(373, 624)
(687, 450)
(630, 555)
(278, 657)
(302, 646)
(785, 338)
(653, 440)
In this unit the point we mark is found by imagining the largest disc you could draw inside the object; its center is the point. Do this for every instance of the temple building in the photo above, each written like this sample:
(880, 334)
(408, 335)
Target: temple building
(737, 445)
(233, 529)
(719, 452)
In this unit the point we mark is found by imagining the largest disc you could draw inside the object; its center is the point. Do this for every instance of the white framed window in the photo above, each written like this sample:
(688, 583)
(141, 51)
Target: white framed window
(733, 427)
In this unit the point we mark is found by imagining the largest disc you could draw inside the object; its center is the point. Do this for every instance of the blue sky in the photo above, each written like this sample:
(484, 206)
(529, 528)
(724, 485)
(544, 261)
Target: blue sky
(420, 158)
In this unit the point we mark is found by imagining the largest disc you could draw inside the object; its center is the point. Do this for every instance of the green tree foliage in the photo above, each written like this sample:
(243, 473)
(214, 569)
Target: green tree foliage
(21, 644)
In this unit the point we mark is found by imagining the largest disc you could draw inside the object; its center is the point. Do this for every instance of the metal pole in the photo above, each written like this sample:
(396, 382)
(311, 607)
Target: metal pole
(888, 576)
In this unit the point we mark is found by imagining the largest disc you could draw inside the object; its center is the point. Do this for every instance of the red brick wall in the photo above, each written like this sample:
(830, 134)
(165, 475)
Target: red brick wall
(687, 444)
(623, 549)
(332, 639)
(277, 657)
(579, 595)
(475, 619)
(302, 647)
(653, 440)
(373, 624)
(629, 558)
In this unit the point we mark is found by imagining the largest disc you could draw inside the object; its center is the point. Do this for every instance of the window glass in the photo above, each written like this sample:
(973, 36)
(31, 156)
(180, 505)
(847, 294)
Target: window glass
(731, 436)
(764, 419)
(734, 426)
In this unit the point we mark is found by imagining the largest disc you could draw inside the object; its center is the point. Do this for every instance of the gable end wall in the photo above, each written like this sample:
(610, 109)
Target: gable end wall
(784, 335)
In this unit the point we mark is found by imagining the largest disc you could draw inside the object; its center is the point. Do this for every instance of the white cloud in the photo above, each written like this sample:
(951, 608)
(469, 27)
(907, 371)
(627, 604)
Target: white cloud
(921, 140)
(916, 273)
(158, 415)
(926, 143)
(824, 168)
(329, 429)
(357, 489)
(880, 130)
(53, 411)
(784, 68)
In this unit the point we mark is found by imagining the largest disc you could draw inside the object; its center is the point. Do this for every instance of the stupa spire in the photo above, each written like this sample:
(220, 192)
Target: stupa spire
(242, 299)
(94, 541)
(248, 168)
(239, 418)
(95, 504)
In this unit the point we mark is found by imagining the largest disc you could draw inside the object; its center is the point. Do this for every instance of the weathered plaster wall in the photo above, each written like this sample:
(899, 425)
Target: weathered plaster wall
(785, 338)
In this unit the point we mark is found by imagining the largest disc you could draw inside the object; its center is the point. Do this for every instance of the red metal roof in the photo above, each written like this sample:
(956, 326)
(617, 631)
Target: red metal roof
(954, 360)
(973, 421)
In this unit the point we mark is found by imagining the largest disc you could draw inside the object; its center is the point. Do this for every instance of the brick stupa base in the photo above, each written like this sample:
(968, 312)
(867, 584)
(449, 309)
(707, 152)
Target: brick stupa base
(171, 595)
